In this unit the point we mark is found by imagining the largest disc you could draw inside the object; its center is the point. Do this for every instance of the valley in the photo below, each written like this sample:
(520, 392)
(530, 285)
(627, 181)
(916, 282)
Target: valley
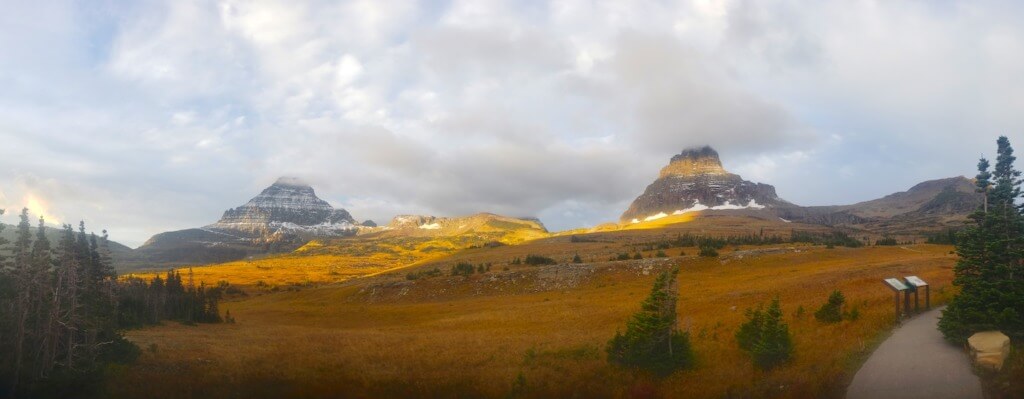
(493, 306)
(480, 335)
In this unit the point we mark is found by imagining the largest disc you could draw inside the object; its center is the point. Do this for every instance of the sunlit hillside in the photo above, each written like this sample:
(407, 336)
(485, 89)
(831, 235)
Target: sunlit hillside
(330, 261)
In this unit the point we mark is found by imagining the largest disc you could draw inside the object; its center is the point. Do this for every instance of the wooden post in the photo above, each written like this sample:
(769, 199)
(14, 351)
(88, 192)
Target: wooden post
(897, 287)
(898, 307)
(928, 297)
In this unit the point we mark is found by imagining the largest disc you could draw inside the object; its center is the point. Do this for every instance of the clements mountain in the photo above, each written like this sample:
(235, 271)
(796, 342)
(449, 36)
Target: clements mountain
(695, 180)
(288, 214)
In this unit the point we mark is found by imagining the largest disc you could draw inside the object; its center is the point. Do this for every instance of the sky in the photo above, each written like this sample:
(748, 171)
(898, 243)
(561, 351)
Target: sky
(147, 116)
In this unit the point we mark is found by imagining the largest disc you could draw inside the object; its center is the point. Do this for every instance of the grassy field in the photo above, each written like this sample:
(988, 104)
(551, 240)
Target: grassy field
(533, 331)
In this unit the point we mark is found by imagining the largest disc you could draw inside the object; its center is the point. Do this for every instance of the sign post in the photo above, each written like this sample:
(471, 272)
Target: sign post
(917, 283)
(897, 286)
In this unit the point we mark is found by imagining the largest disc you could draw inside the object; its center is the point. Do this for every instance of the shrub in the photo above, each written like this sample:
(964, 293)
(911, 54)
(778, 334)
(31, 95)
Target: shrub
(651, 341)
(708, 251)
(638, 256)
(537, 260)
(765, 336)
(854, 314)
(622, 256)
(887, 241)
(831, 311)
(577, 259)
(463, 269)
(660, 254)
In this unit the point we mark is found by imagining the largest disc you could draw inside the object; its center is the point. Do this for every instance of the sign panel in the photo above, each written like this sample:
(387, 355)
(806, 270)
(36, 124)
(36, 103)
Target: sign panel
(896, 284)
(915, 281)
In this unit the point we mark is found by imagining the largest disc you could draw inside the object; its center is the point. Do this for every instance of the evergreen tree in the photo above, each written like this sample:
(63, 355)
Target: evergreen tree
(577, 259)
(765, 336)
(831, 311)
(991, 254)
(22, 305)
(652, 340)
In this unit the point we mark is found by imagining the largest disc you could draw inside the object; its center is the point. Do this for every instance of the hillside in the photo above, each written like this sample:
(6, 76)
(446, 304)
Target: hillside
(119, 252)
(407, 241)
(928, 206)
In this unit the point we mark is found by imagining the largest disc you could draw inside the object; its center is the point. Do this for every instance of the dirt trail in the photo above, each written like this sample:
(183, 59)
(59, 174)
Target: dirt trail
(915, 362)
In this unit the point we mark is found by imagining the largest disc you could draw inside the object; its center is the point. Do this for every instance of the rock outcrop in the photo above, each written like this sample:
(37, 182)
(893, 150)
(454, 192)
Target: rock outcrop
(696, 180)
(989, 349)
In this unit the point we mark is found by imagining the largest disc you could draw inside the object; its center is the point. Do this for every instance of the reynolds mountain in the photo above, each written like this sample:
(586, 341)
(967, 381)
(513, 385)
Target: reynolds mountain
(695, 180)
(282, 217)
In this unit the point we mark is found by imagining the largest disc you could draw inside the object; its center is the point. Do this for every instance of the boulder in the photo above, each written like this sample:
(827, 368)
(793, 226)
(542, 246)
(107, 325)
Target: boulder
(989, 349)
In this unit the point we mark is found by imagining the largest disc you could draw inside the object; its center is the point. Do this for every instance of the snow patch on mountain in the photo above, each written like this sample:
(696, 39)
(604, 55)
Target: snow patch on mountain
(697, 207)
(430, 226)
(655, 217)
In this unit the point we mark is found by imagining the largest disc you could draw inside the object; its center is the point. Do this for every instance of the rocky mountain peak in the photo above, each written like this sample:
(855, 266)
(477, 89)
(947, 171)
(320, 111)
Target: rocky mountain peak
(695, 180)
(288, 204)
(694, 161)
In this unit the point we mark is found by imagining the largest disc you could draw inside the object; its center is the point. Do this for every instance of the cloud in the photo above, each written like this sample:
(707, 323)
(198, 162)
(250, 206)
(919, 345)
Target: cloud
(154, 116)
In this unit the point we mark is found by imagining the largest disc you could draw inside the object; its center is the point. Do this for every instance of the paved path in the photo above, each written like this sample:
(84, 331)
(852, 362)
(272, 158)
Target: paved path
(915, 362)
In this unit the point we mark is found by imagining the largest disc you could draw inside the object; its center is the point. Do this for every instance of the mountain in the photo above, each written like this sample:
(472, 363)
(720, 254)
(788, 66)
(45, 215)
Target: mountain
(928, 206)
(695, 180)
(501, 228)
(281, 218)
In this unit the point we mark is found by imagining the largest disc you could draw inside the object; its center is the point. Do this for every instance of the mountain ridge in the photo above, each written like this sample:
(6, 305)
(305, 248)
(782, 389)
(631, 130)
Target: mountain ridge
(694, 180)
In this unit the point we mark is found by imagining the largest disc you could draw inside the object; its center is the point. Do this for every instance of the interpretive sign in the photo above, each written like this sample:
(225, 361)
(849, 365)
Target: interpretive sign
(896, 284)
(917, 283)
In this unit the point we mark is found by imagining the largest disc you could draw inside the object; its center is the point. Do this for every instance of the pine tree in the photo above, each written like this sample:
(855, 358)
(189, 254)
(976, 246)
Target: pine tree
(652, 340)
(765, 336)
(831, 311)
(991, 251)
(22, 306)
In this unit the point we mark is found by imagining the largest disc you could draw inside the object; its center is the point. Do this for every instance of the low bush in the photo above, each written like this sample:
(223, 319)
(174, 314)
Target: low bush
(537, 260)
(831, 311)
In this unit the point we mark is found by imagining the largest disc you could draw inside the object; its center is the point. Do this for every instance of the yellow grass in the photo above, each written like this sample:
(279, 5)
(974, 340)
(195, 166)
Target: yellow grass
(473, 337)
(336, 261)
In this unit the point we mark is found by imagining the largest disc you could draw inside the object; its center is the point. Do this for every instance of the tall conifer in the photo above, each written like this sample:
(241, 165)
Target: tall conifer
(989, 271)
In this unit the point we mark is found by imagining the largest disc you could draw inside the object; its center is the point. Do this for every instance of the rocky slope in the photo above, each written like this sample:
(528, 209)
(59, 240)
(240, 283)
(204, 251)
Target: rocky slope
(282, 217)
(695, 180)
(927, 206)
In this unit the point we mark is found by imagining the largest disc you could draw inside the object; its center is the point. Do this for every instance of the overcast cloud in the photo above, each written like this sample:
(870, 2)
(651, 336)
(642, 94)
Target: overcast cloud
(147, 116)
